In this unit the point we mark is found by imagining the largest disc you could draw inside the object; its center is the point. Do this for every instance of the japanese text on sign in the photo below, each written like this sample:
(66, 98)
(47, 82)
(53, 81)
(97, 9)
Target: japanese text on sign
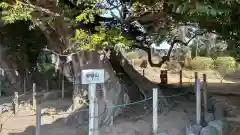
(91, 76)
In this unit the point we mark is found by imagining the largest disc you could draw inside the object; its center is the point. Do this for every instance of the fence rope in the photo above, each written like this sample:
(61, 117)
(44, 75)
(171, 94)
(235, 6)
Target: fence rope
(122, 105)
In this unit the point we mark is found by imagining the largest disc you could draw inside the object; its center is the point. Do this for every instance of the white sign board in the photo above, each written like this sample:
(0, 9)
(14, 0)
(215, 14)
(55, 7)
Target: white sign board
(92, 76)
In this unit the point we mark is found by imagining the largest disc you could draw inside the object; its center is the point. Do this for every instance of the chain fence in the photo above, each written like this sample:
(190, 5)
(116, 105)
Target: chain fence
(134, 118)
(129, 111)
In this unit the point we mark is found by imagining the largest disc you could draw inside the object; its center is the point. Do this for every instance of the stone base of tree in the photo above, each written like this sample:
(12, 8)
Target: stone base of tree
(208, 130)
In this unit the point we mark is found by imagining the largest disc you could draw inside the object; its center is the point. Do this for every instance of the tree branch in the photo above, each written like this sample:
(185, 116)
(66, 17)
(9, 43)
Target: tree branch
(41, 9)
(166, 58)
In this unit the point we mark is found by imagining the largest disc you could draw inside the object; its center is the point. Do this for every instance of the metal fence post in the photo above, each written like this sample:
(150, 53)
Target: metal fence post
(38, 119)
(198, 101)
(155, 110)
(34, 96)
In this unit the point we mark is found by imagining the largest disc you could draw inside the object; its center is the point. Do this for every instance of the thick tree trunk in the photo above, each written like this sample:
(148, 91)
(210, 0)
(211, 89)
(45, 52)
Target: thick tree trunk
(8, 73)
(113, 90)
(110, 94)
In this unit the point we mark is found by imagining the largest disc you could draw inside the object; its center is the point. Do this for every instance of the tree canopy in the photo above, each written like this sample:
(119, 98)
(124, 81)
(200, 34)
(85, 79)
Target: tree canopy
(139, 21)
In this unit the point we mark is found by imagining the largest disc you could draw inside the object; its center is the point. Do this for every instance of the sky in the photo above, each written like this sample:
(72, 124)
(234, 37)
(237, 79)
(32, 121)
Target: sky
(114, 11)
(163, 45)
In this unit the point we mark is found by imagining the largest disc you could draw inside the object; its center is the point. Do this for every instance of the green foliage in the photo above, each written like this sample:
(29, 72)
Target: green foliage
(13, 13)
(226, 63)
(102, 38)
(200, 63)
(83, 38)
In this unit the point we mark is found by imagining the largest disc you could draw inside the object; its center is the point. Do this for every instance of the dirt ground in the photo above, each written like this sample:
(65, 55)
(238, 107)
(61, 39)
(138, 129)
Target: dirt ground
(137, 122)
(133, 122)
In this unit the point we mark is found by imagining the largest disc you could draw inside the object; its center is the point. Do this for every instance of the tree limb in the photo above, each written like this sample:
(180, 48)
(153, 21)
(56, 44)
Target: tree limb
(166, 58)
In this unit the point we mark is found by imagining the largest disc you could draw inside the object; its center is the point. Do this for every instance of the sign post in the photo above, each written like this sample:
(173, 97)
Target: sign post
(93, 77)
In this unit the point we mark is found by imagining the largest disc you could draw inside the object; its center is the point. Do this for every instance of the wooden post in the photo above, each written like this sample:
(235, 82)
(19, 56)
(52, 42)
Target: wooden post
(38, 120)
(155, 110)
(205, 95)
(63, 88)
(198, 101)
(47, 86)
(59, 80)
(196, 77)
(180, 77)
(15, 103)
(24, 86)
(34, 96)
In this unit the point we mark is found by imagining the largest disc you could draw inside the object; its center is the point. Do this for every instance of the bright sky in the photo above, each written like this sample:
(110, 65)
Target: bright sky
(109, 13)
(163, 45)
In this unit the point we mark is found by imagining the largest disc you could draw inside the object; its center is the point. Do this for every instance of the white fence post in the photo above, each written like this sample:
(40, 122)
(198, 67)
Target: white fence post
(15, 103)
(205, 97)
(38, 120)
(63, 88)
(155, 110)
(198, 101)
(96, 122)
(34, 96)
(92, 93)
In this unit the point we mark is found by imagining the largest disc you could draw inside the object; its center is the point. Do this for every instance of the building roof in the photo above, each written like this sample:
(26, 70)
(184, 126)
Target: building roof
(163, 46)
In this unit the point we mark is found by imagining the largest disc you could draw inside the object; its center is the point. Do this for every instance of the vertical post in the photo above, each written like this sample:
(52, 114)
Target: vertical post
(59, 80)
(96, 122)
(63, 88)
(155, 110)
(26, 78)
(143, 72)
(24, 86)
(92, 93)
(205, 94)
(0, 88)
(180, 77)
(196, 77)
(15, 103)
(34, 96)
(38, 120)
(198, 101)
(111, 124)
(47, 86)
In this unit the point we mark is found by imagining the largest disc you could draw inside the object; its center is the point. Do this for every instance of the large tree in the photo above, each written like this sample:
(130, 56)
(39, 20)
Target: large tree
(81, 39)
(77, 32)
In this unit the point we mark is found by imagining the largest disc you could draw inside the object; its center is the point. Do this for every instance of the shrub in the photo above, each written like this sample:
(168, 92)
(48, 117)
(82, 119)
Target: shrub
(225, 63)
(200, 63)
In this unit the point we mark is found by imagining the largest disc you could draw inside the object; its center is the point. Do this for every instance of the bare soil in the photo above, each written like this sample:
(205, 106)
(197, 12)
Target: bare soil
(132, 121)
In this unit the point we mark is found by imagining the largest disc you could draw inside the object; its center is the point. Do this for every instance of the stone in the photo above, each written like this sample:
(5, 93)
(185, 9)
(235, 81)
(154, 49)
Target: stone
(220, 126)
(218, 111)
(208, 117)
(208, 130)
(210, 104)
(192, 129)
(6, 107)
